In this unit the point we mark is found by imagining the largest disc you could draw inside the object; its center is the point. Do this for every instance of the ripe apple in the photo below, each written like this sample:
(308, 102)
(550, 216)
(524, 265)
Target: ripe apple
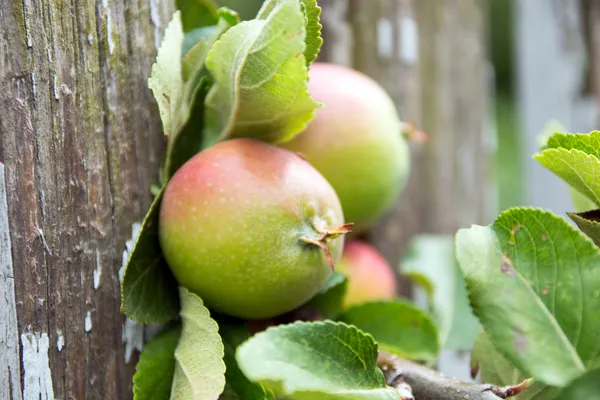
(251, 228)
(370, 276)
(356, 141)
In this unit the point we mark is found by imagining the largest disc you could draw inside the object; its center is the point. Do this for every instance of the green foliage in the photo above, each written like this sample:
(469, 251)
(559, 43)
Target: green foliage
(149, 289)
(532, 280)
(181, 87)
(589, 223)
(497, 370)
(199, 368)
(314, 41)
(155, 369)
(330, 299)
(574, 158)
(197, 13)
(398, 328)
(431, 263)
(323, 360)
(586, 387)
(233, 334)
(165, 78)
(260, 76)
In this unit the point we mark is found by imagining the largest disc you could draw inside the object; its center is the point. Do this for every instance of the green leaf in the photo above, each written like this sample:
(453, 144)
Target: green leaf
(575, 159)
(195, 54)
(589, 223)
(199, 368)
(181, 87)
(497, 370)
(260, 75)
(330, 299)
(149, 289)
(533, 282)
(586, 387)
(430, 261)
(165, 77)
(588, 143)
(233, 334)
(197, 13)
(314, 41)
(154, 371)
(398, 328)
(322, 360)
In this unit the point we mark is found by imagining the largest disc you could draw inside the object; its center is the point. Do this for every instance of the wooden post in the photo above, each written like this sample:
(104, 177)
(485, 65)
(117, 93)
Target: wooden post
(80, 140)
(430, 56)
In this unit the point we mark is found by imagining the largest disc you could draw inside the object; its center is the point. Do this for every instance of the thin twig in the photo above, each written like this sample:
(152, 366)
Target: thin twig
(427, 384)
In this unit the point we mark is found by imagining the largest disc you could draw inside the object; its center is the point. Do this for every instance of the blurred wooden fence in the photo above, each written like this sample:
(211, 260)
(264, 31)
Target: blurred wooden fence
(431, 57)
(558, 70)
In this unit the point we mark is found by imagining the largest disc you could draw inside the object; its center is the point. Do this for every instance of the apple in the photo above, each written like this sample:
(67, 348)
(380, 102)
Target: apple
(356, 141)
(370, 276)
(251, 228)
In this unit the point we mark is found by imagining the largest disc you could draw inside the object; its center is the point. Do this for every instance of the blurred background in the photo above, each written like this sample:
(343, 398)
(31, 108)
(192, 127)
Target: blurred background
(538, 59)
(486, 79)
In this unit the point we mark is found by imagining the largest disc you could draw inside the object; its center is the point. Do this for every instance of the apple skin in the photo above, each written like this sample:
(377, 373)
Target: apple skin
(356, 142)
(232, 226)
(370, 276)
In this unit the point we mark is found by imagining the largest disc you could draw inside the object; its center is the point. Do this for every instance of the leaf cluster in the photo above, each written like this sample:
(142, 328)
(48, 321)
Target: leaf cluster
(217, 78)
(533, 281)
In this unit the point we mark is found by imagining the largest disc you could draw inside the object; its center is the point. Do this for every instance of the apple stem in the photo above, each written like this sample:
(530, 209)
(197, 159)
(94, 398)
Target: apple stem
(326, 235)
(323, 247)
(412, 134)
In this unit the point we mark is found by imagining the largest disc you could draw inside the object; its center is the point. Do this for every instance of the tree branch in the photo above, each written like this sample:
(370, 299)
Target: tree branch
(414, 381)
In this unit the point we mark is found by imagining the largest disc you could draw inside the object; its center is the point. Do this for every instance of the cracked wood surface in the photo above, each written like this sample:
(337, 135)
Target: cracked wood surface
(80, 138)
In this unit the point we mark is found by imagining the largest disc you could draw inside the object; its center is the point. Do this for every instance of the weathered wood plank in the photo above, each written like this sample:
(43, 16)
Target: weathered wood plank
(81, 141)
(10, 373)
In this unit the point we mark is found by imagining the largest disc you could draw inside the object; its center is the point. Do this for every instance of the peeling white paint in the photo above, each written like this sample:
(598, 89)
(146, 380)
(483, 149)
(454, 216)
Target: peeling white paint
(88, 322)
(28, 35)
(97, 271)
(109, 29)
(37, 378)
(135, 230)
(133, 337)
(409, 43)
(155, 17)
(33, 83)
(385, 38)
(60, 340)
(54, 88)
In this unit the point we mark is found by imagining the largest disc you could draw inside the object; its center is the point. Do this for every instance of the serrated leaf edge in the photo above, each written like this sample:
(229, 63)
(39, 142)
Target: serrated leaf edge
(543, 307)
(213, 325)
(265, 14)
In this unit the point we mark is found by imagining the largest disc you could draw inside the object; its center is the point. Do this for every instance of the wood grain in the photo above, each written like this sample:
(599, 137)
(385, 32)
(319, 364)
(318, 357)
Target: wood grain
(81, 141)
